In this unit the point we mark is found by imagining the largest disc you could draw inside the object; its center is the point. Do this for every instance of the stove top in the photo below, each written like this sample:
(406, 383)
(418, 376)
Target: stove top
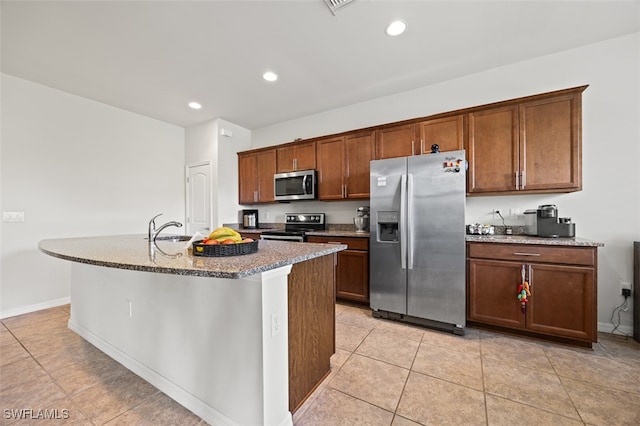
(299, 223)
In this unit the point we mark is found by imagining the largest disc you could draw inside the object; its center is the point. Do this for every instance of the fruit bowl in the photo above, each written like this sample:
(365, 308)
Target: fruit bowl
(218, 250)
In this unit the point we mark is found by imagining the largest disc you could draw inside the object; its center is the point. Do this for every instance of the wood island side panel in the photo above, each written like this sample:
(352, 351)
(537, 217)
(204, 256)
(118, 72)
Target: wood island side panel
(311, 326)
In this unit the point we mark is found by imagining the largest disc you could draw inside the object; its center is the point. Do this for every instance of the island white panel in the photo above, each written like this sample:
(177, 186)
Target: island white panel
(205, 342)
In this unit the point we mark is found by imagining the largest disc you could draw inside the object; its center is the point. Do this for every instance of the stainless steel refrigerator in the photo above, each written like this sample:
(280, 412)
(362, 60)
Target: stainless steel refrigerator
(417, 245)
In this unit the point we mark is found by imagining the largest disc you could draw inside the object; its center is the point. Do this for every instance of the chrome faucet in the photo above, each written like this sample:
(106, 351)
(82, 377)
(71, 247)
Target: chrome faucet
(153, 232)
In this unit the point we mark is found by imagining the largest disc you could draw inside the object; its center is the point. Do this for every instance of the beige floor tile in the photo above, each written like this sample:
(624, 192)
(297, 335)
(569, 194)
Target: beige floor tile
(402, 421)
(373, 381)
(358, 317)
(334, 408)
(80, 376)
(158, 409)
(58, 357)
(503, 412)
(407, 331)
(389, 348)
(431, 401)
(339, 358)
(513, 351)
(6, 338)
(603, 406)
(38, 393)
(20, 371)
(527, 386)
(10, 352)
(105, 401)
(591, 368)
(470, 342)
(625, 350)
(462, 368)
(349, 337)
(44, 316)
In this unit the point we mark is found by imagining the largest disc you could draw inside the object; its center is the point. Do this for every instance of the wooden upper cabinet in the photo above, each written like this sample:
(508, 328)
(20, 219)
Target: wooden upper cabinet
(446, 132)
(255, 174)
(343, 166)
(331, 158)
(530, 146)
(550, 144)
(396, 141)
(359, 148)
(300, 156)
(492, 150)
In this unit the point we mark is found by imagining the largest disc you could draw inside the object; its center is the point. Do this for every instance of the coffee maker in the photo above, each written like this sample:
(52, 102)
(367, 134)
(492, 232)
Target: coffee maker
(361, 221)
(549, 225)
(249, 219)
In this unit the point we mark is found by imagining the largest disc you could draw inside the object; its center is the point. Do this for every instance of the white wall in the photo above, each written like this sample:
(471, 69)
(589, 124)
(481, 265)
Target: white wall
(76, 167)
(608, 207)
(204, 142)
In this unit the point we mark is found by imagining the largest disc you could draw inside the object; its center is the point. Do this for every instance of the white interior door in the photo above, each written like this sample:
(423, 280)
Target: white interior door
(199, 198)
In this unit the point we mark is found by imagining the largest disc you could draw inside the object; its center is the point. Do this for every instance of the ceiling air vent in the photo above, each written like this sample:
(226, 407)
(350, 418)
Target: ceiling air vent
(337, 5)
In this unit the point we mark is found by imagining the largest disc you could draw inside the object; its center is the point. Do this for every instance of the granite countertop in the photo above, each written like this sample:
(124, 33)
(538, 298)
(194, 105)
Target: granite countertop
(528, 239)
(134, 252)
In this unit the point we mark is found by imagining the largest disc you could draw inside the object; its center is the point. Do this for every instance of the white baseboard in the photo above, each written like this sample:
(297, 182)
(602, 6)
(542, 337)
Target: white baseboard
(33, 308)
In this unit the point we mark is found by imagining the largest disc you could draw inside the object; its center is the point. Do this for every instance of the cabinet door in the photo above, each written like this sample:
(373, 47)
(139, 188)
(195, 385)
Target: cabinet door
(266, 166)
(306, 156)
(358, 155)
(492, 293)
(330, 156)
(493, 150)
(550, 153)
(352, 276)
(247, 178)
(562, 301)
(296, 157)
(396, 141)
(447, 133)
(285, 159)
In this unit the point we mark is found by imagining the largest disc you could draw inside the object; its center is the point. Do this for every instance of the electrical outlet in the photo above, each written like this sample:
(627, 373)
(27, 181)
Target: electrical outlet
(496, 213)
(626, 292)
(275, 323)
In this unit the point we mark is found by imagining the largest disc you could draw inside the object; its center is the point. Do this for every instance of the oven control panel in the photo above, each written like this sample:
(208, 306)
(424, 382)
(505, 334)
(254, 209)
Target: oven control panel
(305, 218)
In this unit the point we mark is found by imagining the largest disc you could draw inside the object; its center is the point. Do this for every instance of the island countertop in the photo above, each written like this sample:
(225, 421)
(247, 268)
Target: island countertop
(134, 252)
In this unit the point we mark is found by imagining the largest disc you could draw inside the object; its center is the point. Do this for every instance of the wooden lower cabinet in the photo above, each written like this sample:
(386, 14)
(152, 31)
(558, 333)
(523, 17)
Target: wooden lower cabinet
(311, 325)
(352, 268)
(563, 301)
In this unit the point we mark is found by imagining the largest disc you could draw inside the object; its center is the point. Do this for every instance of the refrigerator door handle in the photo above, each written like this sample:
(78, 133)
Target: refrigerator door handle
(403, 225)
(410, 220)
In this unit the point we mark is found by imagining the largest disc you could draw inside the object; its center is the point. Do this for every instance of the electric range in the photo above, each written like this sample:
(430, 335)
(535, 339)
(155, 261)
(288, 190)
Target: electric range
(296, 226)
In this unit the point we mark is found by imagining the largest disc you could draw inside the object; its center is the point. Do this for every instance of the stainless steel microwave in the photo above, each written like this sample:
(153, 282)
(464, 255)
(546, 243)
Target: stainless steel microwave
(300, 185)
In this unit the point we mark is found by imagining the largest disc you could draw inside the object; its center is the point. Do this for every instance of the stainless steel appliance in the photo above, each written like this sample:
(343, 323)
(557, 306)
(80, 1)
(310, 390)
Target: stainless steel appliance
(296, 226)
(417, 243)
(550, 225)
(361, 221)
(531, 221)
(250, 219)
(300, 185)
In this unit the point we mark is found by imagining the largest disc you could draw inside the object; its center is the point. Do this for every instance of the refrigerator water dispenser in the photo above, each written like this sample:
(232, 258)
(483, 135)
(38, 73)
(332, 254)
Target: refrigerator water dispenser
(388, 226)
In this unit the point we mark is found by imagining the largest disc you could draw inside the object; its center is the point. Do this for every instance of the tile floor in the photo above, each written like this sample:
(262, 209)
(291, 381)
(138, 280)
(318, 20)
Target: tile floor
(383, 373)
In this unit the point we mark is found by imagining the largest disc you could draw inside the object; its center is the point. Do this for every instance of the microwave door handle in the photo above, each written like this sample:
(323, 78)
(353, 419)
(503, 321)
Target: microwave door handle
(304, 184)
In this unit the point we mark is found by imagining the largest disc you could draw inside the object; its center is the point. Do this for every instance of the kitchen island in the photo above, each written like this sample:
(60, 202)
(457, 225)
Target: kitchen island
(238, 340)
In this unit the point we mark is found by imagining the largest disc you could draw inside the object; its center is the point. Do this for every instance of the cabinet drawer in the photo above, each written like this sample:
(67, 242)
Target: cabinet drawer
(528, 253)
(353, 243)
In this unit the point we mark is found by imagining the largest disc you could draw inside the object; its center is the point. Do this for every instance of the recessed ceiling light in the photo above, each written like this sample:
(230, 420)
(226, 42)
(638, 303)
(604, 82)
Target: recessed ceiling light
(270, 76)
(396, 28)
(194, 105)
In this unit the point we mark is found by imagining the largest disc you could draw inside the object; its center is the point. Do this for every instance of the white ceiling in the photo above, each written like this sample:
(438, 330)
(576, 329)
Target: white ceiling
(153, 57)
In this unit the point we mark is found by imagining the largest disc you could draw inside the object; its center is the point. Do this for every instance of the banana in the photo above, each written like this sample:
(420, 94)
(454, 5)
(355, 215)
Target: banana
(236, 238)
(223, 231)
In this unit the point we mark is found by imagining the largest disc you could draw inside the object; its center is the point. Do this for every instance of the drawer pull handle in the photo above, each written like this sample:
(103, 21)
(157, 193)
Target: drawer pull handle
(526, 254)
(334, 242)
